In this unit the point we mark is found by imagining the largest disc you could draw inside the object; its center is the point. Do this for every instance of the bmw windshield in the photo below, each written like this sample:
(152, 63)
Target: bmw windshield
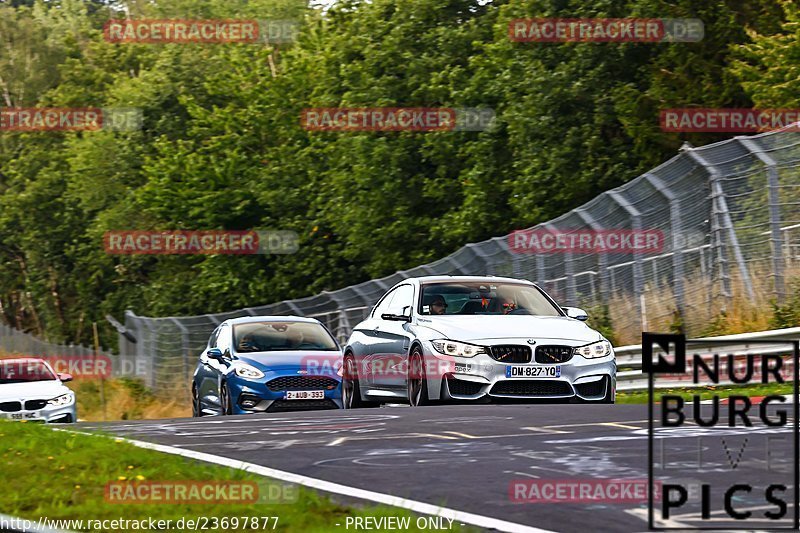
(24, 371)
(282, 336)
(481, 298)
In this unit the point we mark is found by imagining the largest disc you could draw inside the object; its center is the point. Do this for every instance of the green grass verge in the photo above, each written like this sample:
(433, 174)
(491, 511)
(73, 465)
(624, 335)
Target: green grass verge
(706, 393)
(59, 475)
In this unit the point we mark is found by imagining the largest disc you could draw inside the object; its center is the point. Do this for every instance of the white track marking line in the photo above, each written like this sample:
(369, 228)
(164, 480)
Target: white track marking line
(335, 488)
(548, 431)
(618, 425)
(584, 424)
(464, 435)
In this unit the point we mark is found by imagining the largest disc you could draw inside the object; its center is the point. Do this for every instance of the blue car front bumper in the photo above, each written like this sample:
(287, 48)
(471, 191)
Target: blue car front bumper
(280, 393)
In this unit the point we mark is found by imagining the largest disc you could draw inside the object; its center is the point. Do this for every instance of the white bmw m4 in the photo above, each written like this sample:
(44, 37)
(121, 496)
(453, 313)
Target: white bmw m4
(466, 338)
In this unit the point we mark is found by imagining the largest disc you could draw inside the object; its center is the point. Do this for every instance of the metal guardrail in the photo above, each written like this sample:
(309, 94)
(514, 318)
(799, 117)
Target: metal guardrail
(630, 357)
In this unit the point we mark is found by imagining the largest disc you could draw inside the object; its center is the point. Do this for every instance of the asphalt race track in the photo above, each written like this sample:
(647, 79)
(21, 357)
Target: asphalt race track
(465, 456)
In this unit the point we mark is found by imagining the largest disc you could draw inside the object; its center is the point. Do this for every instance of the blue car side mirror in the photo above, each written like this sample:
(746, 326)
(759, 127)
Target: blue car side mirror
(214, 353)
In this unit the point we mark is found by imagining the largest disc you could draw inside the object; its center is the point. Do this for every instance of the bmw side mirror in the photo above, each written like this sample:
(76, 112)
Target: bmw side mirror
(576, 312)
(398, 318)
(214, 353)
(65, 377)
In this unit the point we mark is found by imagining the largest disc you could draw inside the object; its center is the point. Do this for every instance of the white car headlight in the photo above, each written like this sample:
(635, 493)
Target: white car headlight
(61, 401)
(457, 349)
(594, 350)
(248, 372)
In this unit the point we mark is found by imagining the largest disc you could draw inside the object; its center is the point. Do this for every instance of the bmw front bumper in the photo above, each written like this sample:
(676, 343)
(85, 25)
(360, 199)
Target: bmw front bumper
(471, 378)
(49, 414)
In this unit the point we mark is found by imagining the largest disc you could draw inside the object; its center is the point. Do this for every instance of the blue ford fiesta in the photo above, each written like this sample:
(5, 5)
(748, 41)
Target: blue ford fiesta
(268, 364)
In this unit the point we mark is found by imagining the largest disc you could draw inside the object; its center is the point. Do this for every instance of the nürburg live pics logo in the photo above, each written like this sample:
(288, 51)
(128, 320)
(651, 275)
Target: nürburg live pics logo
(722, 452)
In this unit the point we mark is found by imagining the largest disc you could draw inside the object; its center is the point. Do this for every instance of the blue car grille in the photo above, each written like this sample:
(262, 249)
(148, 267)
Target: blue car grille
(302, 383)
(280, 406)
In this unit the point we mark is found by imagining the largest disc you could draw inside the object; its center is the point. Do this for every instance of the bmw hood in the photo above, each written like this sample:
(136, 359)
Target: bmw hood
(313, 362)
(498, 327)
(34, 390)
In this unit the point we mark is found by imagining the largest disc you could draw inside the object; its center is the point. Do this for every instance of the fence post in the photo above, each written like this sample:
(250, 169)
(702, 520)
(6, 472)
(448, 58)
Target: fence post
(776, 239)
(569, 273)
(721, 208)
(184, 345)
(488, 266)
(343, 319)
(152, 347)
(636, 225)
(676, 226)
(540, 274)
(602, 260)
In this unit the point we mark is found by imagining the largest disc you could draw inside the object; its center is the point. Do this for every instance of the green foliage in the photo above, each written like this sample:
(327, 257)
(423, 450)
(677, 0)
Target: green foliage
(63, 476)
(222, 146)
(600, 319)
(787, 315)
(677, 325)
(717, 326)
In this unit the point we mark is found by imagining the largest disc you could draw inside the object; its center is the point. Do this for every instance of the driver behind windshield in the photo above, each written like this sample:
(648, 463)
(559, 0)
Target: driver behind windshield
(507, 305)
(438, 306)
(248, 344)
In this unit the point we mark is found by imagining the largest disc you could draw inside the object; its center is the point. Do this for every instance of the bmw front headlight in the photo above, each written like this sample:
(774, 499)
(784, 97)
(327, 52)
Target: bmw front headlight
(594, 350)
(61, 401)
(248, 372)
(457, 349)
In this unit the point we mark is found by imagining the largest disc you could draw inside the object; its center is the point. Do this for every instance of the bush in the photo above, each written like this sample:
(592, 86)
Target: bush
(788, 314)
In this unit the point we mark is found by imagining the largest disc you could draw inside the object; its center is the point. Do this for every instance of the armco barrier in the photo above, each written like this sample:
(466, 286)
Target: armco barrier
(629, 358)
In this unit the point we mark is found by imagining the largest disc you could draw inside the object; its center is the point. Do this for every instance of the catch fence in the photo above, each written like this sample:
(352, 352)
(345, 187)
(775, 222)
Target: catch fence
(728, 213)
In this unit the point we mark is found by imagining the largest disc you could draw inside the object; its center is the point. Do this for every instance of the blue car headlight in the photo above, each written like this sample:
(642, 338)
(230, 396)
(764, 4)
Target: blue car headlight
(594, 350)
(248, 372)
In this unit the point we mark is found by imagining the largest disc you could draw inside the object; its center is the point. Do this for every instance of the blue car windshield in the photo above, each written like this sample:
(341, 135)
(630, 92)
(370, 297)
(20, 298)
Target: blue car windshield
(281, 337)
(484, 298)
